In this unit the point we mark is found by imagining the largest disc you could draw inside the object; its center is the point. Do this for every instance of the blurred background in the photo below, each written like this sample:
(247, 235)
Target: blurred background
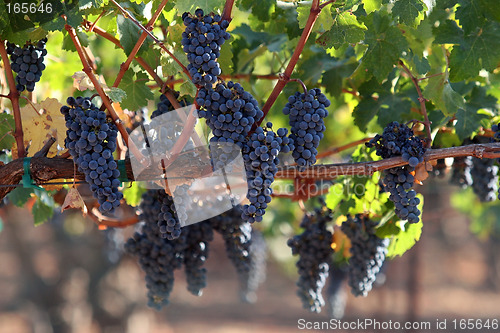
(68, 276)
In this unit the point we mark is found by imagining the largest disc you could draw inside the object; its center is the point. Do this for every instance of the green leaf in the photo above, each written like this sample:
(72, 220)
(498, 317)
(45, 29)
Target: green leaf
(68, 44)
(187, 88)
(138, 94)
(443, 96)
(259, 8)
(448, 32)
(478, 50)
(388, 107)
(468, 121)
(385, 46)
(19, 196)
(207, 5)
(41, 212)
(116, 94)
(345, 30)
(470, 15)
(407, 11)
(226, 58)
(421, 65)
(129, 34)
(323, 22)
(334, 196)
(405, 239)
(6, 129)
(372, 5)
(132, 194)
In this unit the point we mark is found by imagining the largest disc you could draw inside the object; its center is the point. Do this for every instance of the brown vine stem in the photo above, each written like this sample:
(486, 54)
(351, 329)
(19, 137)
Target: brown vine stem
(326, 3)
(336, 150)
(313, 15)
(127, 15)
(115, 41)
(44, 169)
(124, 66)
(102, 94)
(421, 99)
(228, 8)
(14, 99)
(429, 76)
(301, 83)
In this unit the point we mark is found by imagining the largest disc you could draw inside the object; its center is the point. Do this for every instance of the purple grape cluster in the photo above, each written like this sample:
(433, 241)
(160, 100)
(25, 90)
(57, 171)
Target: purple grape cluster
(202, 40)
(306, 112)
(230, 112)
(399, 140)
(251, 280)
(237, 236)
(314, 249)
(27, 62)
(158, 256)
(482, 175)
(198, 237)
(260, 155)
(91, 140)
(367, 253)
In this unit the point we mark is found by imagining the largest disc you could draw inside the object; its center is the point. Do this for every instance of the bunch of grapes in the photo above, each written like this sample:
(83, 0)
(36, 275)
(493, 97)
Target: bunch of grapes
(91, 140)
(336, 293)
(237, 236)
(202, 40)
(306, 112)
(198, 236)
(458, 174)
(158, 256)
(482, 175)
(230, 112)
(399, 140)
(260, 154)
(496, 128)
(27, 62)
(251, 280)
(171, 214)
(314, 249)
(367, 253)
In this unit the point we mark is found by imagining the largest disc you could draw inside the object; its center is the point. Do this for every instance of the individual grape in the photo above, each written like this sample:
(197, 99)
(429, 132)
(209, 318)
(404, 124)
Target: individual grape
(201, 40)
(27, 62)
(399, 140)
(198, 236)
(158, 256)
(367, 253)
(314, 249)
(336, 293)
(306, 112)
(251, 280)
(87, 152)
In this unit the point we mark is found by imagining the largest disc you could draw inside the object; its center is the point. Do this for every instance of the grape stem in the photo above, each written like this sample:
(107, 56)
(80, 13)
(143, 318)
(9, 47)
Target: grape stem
(421, 99)
(125, 66)
(313, 15)
(301, 83)
(127, 15)
(14, 99)
(336, 150)
(102, 94)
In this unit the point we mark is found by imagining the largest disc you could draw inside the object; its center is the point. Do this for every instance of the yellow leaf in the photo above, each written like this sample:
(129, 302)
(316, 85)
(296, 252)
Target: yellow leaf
(74, 200)
(40, 122)
(82, 82)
